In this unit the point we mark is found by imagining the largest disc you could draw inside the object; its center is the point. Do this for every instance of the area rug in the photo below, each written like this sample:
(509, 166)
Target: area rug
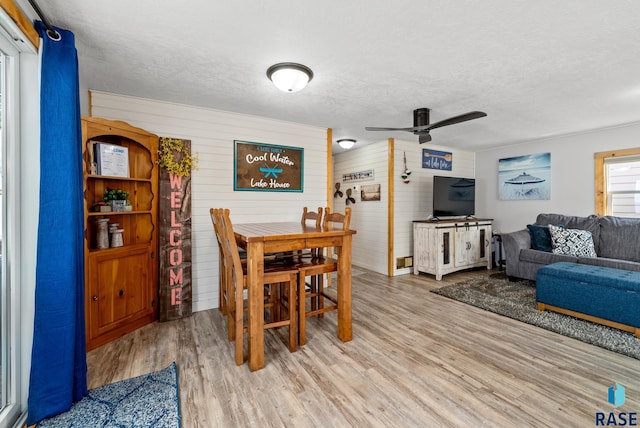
(145, 401)
(517, 300)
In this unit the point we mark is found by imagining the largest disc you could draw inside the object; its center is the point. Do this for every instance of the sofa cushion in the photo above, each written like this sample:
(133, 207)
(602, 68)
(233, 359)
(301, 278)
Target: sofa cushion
(620, 238)
(572, 242)
(610, 263)
(544, 258)
(540, 237)
(590, 223)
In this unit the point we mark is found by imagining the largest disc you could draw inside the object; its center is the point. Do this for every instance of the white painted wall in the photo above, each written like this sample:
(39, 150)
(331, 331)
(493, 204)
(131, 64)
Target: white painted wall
(212, 133)
(411, 201)
(369, 218)
(572, 175)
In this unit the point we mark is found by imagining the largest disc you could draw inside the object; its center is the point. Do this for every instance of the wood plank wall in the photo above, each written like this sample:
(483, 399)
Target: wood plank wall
(212, 133)
(410, 201)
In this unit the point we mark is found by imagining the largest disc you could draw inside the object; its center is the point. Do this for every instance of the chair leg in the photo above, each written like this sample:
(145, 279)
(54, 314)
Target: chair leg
(239, 325)
(320, 288)
(301, 309)
(293, 334)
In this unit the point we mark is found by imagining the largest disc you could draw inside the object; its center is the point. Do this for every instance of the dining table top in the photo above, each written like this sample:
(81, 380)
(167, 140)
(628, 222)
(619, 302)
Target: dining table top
(278, 230)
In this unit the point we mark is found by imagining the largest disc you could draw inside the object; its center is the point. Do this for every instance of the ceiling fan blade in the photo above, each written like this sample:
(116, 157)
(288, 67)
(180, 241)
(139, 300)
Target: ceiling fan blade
(371, 128)
(452, 120)
(424, 138)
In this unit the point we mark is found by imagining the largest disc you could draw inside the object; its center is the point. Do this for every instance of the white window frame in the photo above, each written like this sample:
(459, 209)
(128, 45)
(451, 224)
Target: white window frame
(13, 44)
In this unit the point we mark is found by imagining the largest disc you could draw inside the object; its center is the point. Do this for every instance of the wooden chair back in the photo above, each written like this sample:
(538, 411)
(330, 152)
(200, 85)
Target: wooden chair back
(336, 220)
(216, 220)
(312, 216)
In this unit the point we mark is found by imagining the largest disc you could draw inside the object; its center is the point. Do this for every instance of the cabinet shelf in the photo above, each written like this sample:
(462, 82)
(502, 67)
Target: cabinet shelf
(121, 283)
(112, 177)
(112, 213)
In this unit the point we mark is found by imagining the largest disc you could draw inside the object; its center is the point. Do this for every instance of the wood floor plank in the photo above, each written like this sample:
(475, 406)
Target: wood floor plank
(416, 359)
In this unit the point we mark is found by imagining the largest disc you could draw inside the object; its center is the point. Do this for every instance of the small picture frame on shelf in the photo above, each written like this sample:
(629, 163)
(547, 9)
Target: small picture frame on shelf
(111, 159)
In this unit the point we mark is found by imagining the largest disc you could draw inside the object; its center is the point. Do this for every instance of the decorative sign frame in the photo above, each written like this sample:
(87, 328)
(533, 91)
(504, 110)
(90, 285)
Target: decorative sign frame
(435, 159)
(358, 176)
(174, 214)
(267, 167)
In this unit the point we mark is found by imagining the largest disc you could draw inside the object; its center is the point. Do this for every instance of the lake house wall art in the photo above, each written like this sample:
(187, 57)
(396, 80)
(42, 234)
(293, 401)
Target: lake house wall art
(525, 177)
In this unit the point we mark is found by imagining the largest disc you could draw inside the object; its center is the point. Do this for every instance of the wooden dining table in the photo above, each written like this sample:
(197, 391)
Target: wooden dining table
(260, 238)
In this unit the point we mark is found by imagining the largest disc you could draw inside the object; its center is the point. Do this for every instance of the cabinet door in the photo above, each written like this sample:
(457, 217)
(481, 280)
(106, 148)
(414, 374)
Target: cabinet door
(420, 248)
(119, 288)
(465, 247)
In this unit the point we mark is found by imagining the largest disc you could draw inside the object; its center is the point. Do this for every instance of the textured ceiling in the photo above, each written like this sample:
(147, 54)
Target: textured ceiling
(537, 68)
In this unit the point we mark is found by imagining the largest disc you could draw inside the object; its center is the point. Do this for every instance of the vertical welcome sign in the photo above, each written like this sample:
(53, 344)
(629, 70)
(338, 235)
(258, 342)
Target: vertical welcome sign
(175, 240)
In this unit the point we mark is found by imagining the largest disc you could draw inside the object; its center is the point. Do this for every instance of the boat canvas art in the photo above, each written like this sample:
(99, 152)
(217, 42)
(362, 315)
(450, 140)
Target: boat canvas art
(525, 177)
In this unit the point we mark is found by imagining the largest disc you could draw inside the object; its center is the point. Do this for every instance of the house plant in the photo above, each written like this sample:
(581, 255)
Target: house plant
(116, 198)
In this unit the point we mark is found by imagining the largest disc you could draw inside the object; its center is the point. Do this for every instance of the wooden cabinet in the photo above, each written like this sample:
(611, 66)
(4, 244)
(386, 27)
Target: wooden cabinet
(121, 283)
(445, 246)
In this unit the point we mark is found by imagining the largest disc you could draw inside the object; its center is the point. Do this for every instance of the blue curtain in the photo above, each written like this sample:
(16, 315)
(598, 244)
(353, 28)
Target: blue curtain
(58, 358)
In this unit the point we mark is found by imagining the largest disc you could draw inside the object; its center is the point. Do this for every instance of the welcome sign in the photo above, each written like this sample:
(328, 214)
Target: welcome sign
(267, 167)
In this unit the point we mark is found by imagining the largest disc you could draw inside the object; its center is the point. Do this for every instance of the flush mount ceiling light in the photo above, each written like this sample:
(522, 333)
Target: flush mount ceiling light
(289, 76)
(346, 143)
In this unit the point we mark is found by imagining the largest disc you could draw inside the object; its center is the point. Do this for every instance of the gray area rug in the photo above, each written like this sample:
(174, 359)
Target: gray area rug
(150, 400)
(517, 300)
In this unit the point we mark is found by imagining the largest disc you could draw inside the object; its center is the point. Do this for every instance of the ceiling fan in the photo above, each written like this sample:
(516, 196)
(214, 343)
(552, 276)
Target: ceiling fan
(421, 125)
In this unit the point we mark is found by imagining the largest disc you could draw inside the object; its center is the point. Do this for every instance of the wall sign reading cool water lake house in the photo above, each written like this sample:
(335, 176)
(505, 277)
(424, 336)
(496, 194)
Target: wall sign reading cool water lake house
(267, 167)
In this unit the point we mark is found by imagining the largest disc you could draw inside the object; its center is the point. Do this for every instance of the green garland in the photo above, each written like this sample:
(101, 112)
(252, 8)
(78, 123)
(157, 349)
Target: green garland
(166, 157)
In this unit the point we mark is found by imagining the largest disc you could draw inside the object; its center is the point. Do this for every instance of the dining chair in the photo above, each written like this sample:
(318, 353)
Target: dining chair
(276, 275)
(316, 267)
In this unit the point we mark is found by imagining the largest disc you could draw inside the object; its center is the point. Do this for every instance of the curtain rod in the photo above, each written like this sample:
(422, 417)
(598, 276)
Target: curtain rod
(51, 32)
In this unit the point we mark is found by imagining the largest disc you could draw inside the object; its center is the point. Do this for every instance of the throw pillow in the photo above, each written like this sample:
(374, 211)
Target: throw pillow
(572, 242)
(540, 237)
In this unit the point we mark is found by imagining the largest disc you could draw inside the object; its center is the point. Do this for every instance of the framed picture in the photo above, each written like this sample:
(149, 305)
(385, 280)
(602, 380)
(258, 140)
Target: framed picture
(370, 192)
(267, 168)
(525, 177)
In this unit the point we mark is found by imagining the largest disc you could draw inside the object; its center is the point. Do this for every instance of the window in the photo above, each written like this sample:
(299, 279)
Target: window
(617, 185)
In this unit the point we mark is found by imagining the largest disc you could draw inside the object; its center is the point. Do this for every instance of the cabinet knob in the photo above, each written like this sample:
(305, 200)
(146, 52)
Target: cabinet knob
(121, 293)
(94, 298)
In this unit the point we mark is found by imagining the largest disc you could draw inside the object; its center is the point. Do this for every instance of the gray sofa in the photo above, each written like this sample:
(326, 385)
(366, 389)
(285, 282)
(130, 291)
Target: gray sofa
(616, 241)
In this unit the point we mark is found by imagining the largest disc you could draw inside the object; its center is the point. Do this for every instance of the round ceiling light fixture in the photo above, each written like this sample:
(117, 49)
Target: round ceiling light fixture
(289, 76)
(346, 143)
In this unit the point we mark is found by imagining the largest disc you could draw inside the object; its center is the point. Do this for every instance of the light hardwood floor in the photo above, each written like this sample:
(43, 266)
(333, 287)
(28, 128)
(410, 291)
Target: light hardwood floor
(416, 359)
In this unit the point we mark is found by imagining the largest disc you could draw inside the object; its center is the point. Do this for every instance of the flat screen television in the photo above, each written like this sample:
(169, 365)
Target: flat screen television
(454, 196)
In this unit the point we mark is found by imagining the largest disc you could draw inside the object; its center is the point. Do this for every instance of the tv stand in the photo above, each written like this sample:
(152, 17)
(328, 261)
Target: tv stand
(446, 246)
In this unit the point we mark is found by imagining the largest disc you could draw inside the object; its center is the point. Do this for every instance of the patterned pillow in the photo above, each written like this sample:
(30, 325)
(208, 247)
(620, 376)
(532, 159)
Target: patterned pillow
(572, 242)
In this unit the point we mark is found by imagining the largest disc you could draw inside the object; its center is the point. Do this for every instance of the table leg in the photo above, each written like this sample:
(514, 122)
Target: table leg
(344, 290)
(255, 283)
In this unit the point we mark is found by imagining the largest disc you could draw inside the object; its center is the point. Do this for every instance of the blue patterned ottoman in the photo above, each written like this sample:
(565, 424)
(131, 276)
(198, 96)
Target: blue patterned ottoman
(599, 294)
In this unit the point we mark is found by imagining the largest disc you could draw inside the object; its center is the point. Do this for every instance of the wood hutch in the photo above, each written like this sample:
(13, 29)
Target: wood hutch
(121, 283)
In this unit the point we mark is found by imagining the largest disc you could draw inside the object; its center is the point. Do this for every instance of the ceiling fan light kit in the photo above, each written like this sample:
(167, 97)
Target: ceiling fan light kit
(346, 143)
(289, 76)
(421, 125)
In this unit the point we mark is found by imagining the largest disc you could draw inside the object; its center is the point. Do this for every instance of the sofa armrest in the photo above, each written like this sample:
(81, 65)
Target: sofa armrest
(512, 243)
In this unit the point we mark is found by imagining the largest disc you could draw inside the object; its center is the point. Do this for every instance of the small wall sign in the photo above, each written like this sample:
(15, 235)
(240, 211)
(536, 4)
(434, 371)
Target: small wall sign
(435, 159)
(267, 167)
(358, 176)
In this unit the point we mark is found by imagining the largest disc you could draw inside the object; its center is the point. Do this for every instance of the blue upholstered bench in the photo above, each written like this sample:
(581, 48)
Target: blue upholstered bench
(599, 294)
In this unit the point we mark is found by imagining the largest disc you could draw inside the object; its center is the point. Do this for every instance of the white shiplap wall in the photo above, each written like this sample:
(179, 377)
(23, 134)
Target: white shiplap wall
(369, 218)
(413, 201)
(212, 133)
